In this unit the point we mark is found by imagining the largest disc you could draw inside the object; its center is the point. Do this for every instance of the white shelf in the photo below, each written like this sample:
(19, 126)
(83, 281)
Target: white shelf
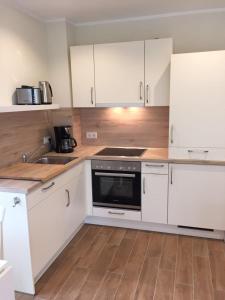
(15, 108)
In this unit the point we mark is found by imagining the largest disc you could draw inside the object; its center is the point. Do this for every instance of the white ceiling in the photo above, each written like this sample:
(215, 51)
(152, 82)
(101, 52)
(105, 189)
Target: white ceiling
(81, 11)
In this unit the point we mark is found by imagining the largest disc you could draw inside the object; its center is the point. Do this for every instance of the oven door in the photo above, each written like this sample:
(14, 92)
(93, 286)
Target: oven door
(115, 189)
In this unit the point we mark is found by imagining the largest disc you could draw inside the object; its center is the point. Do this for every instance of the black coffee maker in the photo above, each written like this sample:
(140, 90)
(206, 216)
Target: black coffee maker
(64, 140)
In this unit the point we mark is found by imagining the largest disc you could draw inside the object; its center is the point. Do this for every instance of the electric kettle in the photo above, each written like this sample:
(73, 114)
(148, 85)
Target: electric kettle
(46, 92)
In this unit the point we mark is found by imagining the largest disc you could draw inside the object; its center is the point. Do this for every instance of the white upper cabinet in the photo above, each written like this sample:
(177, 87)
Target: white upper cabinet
(157, 71)
(197, 104)
(119, 74)
(82, 69)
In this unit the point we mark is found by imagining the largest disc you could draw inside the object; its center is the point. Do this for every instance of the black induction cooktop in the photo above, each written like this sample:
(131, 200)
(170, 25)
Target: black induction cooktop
(121, 152)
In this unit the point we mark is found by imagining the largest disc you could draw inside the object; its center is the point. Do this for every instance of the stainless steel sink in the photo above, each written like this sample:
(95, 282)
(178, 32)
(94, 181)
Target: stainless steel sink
(54, 160)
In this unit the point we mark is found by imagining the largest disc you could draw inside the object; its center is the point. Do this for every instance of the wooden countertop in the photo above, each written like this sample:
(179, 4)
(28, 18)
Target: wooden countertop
(25, 177)
(18, 186)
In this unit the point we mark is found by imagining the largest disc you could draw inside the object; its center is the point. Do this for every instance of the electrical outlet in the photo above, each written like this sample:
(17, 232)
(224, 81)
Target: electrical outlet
(91, 135)
(46, 140)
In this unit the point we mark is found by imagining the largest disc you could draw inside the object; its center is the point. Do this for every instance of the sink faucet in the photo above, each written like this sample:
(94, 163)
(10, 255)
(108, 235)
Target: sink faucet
(26, 157)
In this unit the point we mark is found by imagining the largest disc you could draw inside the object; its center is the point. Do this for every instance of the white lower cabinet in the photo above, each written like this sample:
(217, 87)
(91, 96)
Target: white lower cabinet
(154, 192)
(47, 228)
(16, 242)
(75, 211)
(56, 217)
(197, 196)
(37, 226)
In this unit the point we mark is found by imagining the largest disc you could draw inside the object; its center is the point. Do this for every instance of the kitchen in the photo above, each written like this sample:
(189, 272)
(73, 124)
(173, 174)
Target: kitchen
(131, 206)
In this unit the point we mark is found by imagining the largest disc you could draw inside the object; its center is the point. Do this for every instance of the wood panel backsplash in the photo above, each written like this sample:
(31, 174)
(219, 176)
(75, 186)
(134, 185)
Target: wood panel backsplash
(21, 132)
(24, 131)
(147, 127)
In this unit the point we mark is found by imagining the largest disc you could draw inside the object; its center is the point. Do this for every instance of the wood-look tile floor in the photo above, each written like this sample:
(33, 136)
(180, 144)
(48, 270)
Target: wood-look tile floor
(104, 263)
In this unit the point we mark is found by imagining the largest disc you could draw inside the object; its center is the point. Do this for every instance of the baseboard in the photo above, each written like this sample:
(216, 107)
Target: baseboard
(217, 234)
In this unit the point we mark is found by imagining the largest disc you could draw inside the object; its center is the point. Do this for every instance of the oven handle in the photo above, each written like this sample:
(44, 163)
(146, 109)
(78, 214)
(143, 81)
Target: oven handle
(115, 174)
(116, 213)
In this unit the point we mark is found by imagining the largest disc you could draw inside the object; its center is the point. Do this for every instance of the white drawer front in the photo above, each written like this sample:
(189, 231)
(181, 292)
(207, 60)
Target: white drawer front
(154, 168)
(117, 213)
(197, 153)
(52, 185)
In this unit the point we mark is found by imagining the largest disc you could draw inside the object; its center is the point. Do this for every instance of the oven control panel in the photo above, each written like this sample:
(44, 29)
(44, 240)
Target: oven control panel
(122, 166)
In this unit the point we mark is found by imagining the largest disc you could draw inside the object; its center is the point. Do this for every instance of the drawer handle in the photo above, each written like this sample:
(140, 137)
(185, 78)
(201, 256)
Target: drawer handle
(155, 166)
(147, 93)
(116, 213)
(144, 185)
(16, 201)
(171, 134)
(171, 175)
(198, 151)
(92, 93)
(68, 198)
(48, 187)
(140, 87)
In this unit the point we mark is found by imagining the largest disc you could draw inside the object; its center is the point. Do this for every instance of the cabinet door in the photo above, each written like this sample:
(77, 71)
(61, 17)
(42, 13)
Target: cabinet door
(154, 198)
(75, 204)
(6, 284)
(157, 71)
(47, 228)
(197, 103)
(16, 241)
(119, 74)
(82, 69)
(196, 196)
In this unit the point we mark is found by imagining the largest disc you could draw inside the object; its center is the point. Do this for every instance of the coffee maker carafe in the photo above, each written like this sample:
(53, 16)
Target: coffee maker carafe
(64, 140)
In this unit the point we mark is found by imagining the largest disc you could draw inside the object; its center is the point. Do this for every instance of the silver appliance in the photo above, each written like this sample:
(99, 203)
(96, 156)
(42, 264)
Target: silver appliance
(28, 95)
(116, 184)
(46, 92)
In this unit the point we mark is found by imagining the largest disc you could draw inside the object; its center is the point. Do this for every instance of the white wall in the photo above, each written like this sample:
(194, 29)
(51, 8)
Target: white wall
(191, 33)
(23, 52)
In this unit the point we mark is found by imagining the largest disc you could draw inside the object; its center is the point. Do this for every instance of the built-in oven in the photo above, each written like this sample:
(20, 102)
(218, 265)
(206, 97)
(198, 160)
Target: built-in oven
(116, 184)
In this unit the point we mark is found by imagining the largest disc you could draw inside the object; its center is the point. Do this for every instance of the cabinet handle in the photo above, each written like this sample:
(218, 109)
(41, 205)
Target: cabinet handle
(16, 201)
(92, 90)
(141, 87)
(171, 175)
(144, 186)
(68, 197)
(171, 134)
(198, 151)
(48, 187)
(154, 166)
(116, 213)
(147, 93)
